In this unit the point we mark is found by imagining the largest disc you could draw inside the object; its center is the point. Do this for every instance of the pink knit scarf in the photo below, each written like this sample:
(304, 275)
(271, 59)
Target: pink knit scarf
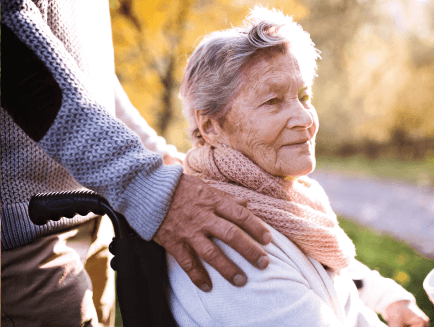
(299, 209)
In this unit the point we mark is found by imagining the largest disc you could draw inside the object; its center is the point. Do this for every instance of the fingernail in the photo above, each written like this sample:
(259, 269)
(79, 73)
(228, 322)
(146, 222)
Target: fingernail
(267, 237)
(263, 262)
(205, 288)
(239, 280)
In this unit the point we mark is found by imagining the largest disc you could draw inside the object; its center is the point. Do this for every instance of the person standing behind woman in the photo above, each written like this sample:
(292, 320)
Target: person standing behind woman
(247, 94)
(59, 132)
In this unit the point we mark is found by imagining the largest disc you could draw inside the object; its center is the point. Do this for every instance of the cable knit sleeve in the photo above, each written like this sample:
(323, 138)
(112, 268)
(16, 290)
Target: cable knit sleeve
(99, 151)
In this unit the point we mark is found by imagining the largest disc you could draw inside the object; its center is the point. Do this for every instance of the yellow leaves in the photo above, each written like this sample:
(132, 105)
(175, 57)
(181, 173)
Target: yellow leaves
(377, 75)
(372, 88)
(417, 95)
(383, 89)
(178, 133)
(142, 94)
(124, 34)
(149, 12)
(290, 8)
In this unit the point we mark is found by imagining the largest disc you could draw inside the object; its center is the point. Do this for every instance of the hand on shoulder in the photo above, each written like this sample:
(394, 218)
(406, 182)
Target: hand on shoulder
(199, 212)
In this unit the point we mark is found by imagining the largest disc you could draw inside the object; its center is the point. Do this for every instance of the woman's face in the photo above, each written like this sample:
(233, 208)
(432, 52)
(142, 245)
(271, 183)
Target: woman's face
(272, 120)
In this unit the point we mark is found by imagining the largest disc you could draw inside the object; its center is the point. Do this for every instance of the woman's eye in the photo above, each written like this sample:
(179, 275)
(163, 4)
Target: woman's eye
(304, 98)
(273, 101)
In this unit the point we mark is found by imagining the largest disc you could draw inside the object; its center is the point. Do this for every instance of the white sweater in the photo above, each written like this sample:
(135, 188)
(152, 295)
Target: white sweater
(294, 290)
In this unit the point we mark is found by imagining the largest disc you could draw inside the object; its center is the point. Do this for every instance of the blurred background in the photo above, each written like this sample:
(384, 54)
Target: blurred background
(374, 95)
(375, 87)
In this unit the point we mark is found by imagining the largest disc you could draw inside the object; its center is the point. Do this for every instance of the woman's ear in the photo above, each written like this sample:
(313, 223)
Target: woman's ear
(209, 129)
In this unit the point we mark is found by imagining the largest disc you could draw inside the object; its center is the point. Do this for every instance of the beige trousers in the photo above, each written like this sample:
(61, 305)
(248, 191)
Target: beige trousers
(60, 280)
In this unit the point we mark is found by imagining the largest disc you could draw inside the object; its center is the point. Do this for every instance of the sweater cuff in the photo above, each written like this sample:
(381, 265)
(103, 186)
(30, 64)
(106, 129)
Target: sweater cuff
(147, 199)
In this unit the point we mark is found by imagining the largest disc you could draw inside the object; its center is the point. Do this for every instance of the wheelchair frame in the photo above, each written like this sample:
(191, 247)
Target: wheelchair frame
(141, 267)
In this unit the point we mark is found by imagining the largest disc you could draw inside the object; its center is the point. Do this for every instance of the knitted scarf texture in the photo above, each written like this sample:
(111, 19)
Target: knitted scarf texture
(297, 208)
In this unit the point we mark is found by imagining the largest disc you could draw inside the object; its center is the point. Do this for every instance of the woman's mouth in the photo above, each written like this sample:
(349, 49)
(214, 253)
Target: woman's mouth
(299, 144)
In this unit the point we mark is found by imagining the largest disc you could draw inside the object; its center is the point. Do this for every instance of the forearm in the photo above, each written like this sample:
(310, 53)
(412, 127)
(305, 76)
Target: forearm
(99, 151)
(108, 158)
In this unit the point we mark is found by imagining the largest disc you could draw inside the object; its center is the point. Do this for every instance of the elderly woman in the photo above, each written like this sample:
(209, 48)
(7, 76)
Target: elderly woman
(246, 93)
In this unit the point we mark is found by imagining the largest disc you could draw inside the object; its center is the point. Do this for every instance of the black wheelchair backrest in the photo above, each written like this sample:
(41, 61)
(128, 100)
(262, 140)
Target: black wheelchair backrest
(142, 279)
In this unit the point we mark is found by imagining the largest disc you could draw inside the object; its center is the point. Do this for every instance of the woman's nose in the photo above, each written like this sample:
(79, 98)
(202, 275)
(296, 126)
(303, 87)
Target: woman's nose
(300, 116)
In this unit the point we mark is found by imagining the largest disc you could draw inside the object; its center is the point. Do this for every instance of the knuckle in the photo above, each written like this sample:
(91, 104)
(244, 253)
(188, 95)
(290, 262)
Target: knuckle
(197, 214)
(232, 233)
(186, 259)
(240, 214)
(209, 253)
(217, 199)
(188, 265)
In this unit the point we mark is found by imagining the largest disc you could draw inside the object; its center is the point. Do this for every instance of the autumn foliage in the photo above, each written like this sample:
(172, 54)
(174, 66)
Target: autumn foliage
(375, 85)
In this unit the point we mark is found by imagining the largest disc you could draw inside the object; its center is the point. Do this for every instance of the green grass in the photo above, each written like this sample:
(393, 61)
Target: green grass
(118, 321)
(390, 257)
(416, 172)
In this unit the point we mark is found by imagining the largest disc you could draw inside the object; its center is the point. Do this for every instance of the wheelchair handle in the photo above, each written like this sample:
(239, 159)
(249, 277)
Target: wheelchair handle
(44, 207)
(140, 265)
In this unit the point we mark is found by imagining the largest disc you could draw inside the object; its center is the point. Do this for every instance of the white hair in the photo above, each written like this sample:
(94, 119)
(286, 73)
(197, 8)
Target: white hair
(214, 69)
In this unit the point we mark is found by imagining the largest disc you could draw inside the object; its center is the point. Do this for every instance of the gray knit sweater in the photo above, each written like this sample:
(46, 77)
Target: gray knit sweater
(78, 143)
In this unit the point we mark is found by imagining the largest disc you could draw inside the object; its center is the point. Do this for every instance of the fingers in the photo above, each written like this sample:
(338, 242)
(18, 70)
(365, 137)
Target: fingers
(240, 201)
(190, 263)
(187, 257)
(212, 254)
(240, 242)
(244, 219)
(198, 211)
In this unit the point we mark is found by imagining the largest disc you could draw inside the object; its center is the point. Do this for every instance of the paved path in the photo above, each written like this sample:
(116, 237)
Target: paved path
(402, 210)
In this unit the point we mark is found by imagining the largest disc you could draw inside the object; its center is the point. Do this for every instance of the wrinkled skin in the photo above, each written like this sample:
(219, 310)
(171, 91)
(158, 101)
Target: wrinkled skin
(199, 212)
(271, 120)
